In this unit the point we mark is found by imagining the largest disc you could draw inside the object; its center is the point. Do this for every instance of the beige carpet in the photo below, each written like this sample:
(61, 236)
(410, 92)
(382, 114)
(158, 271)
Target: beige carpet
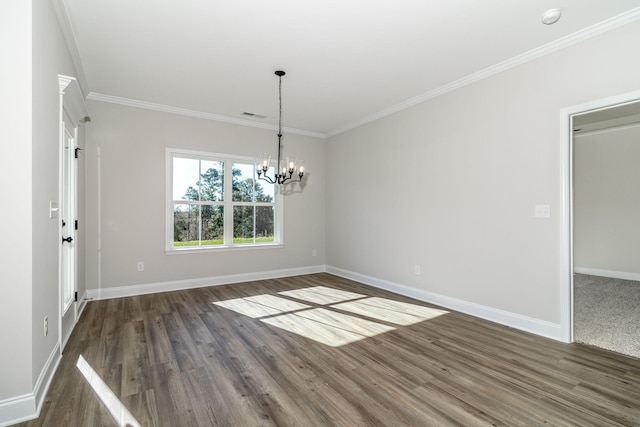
(607, 313)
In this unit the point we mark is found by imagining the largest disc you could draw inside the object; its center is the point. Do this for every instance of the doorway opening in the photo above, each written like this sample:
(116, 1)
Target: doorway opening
(598, 223)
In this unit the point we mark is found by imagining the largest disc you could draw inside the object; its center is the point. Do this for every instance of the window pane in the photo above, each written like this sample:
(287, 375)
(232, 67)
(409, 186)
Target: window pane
(212, 225)
(243, 231)
(264, 224)
(242, 182)
(186, 225)
(185, 178)
(264, 192)
(187, 220)
(211, 180)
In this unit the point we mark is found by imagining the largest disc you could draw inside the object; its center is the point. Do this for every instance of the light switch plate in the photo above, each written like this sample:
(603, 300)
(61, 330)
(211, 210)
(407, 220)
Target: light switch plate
(53, 209)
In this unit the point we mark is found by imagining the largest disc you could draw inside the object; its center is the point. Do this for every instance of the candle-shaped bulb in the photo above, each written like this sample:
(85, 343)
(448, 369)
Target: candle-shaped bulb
(291, 164)
(263, 161)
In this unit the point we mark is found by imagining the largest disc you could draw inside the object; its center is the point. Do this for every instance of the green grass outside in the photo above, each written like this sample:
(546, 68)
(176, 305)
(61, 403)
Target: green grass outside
(236, 241)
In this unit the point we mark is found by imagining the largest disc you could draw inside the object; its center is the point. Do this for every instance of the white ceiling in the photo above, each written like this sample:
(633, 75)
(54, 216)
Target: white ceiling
(347, 61)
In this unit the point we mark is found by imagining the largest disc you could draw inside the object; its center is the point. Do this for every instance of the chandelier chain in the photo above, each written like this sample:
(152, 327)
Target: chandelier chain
(280, 103)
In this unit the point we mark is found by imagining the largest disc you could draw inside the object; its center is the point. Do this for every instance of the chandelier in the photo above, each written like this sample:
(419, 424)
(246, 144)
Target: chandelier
(287, 168)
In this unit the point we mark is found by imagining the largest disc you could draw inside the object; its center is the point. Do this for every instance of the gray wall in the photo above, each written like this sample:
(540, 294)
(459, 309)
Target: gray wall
(15, 174)
(607, 202)
(451, 183)
(30, 96)
(132, 144)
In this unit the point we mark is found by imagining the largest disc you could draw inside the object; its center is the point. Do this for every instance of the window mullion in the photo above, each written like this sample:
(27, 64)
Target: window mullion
(199, 204)
(227, 202)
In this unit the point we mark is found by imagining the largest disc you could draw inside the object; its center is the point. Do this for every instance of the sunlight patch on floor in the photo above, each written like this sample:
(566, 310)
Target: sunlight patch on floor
(330, 325)
(261, 305)
(118, 411)
(321, 295)
(400, 313)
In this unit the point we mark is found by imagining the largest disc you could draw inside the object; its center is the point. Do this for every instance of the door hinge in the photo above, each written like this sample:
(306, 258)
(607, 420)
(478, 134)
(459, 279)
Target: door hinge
(75, 296)
(76, 224)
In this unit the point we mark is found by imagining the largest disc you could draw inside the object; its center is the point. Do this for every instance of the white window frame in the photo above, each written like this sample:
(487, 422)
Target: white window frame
(228, 204)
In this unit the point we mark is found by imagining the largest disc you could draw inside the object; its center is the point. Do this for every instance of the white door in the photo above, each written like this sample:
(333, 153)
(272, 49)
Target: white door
(68, 232)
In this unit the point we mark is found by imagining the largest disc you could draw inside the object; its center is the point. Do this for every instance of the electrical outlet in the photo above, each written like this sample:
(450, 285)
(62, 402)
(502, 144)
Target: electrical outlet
(314, 252)
(542, 211)
(46, 325)
(416, 269)
(140, 266)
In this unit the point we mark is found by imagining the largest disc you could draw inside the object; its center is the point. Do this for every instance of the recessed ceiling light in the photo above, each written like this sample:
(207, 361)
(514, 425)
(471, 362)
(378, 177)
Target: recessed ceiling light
(551, 16)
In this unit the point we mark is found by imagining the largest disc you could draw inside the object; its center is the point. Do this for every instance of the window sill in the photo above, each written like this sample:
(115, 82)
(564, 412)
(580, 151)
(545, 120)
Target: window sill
(199, 250)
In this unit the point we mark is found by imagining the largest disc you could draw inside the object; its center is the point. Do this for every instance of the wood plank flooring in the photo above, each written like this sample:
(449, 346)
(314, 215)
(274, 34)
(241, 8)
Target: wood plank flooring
(319, 350)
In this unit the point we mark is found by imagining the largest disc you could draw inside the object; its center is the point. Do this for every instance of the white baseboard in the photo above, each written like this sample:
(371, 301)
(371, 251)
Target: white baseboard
(517, 321)
(607, 273)
(46, 376)
(177, 285)
(17, 409)
(27, 407)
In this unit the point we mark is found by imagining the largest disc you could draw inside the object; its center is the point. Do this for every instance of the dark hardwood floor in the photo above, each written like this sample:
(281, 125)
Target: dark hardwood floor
(274, 353)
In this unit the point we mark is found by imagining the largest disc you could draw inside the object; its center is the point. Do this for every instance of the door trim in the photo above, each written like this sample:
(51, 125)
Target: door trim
(566, 226)
(71, 106)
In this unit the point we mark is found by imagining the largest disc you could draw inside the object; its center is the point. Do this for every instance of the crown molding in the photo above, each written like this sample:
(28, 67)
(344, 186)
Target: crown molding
(193, 113)
(592, 31)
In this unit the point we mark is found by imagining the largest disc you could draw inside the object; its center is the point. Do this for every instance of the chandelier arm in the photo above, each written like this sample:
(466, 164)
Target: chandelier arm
(283, 179)
(266, 178)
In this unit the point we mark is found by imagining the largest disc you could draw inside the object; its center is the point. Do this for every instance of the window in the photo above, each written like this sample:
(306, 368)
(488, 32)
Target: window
(214, 201)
